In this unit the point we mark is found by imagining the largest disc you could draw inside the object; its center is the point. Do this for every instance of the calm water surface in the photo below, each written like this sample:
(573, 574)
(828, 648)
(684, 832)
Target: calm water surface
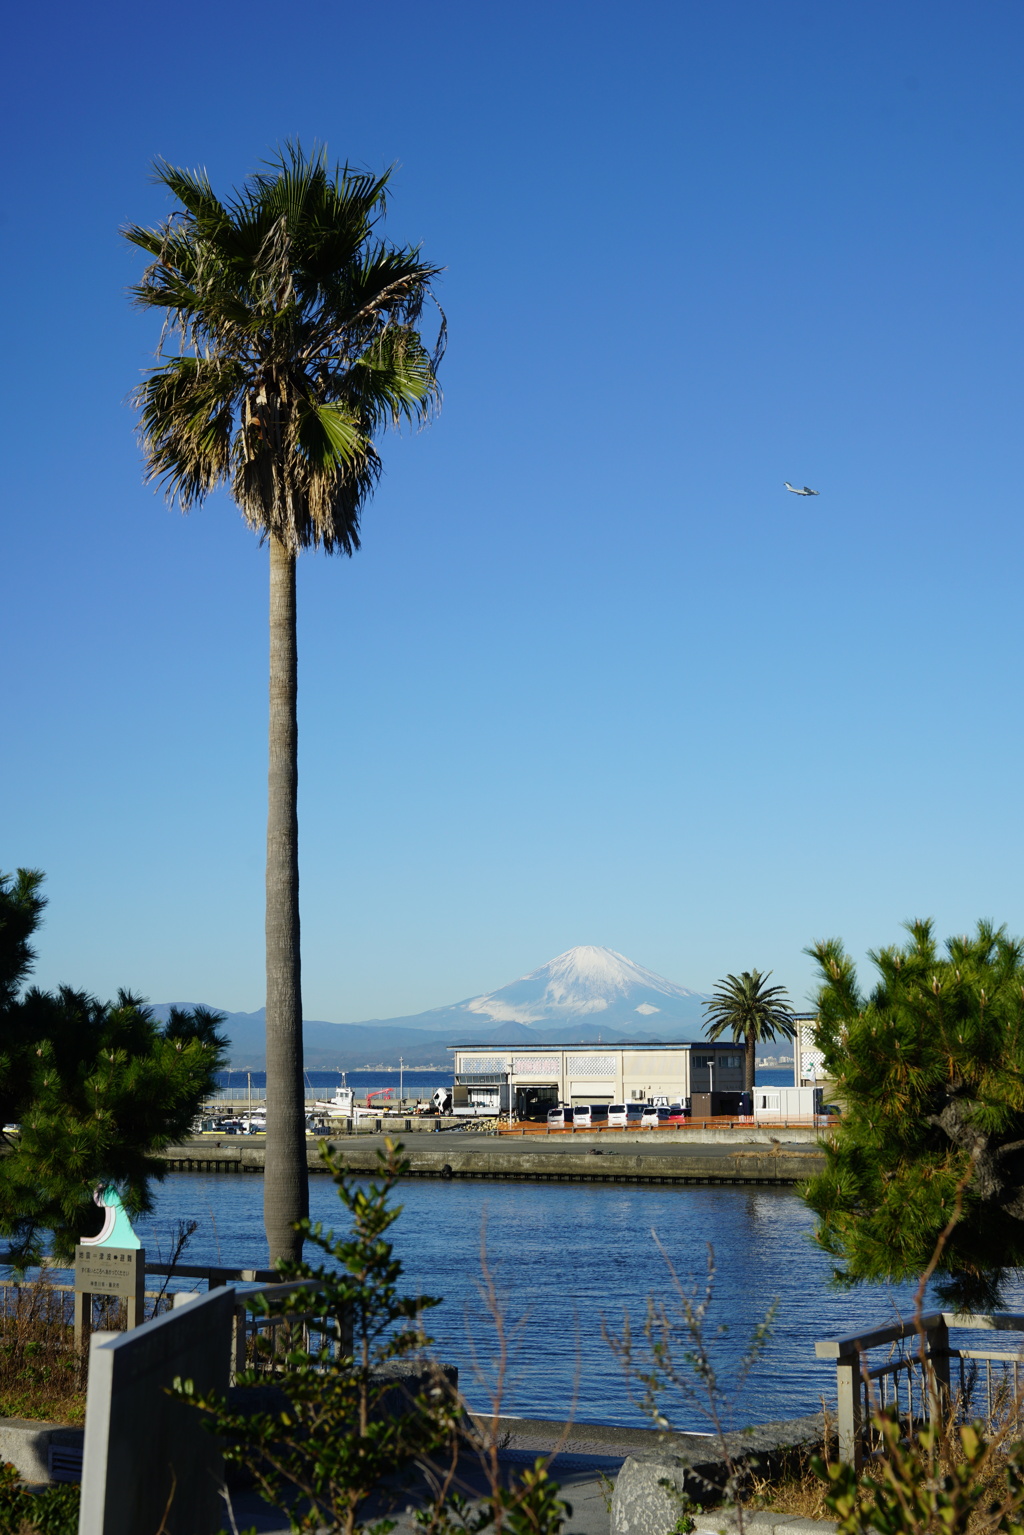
(565, 1256)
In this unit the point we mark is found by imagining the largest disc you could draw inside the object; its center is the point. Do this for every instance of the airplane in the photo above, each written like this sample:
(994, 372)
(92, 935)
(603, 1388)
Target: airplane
(807, 491)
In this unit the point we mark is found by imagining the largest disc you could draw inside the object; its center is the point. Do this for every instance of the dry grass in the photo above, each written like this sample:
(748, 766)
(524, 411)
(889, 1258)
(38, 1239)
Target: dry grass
(800, 1492)
(40, 1372)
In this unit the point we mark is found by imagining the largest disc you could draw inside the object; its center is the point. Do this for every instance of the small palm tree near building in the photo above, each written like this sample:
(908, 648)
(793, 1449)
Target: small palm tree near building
(746, 1007)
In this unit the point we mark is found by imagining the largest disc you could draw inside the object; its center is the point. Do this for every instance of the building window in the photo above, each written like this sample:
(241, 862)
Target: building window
(537, 1066)
(590, 1065)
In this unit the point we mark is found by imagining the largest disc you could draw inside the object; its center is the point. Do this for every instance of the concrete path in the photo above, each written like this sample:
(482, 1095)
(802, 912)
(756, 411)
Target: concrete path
(589, 1457)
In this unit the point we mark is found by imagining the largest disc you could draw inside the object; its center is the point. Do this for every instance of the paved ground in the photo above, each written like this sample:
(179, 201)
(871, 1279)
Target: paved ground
(589, 1456)
(573, 1145)
(578, 1479)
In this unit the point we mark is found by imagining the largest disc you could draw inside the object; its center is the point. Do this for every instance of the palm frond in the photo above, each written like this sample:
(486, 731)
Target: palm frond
(186, 425)
(330, 436)
(395, 375)
(194, 192)
(749, 1008)
(302, 324)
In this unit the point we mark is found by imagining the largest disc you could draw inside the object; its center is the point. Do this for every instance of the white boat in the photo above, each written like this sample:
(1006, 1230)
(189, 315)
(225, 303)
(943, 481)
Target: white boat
(341, 1106)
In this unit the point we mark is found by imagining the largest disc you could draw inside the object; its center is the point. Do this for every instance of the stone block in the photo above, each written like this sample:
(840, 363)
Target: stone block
(650, 1486)
(724, 1522)
(788, 1525)
(25, 1444)
(759, 1522)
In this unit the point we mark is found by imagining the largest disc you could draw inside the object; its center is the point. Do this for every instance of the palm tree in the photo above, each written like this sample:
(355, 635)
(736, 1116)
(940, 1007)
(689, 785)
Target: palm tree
(752, 1011)
(290, 339)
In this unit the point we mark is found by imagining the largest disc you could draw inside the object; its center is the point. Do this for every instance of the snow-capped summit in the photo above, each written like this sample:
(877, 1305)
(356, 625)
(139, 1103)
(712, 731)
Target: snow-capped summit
(582, 981)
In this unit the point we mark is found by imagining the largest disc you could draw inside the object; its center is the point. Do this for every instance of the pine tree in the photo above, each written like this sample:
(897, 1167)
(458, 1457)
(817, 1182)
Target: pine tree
(930, 1067)
(96, 1089)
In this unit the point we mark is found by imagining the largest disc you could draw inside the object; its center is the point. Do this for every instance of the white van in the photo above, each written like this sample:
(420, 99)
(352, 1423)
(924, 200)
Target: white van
(617, 1116)
(581, 1116)
(556, 1118)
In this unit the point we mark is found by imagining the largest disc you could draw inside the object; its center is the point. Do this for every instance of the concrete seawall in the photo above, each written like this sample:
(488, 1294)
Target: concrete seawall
(465, 1156)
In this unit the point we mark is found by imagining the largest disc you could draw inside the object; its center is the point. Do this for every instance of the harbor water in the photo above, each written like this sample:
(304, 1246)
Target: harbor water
(570, 1259)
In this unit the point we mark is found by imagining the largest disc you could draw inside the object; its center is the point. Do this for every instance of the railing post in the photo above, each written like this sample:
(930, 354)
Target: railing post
(83, 1319)
(938, 1370)
(238, 1342)
(850, 1424)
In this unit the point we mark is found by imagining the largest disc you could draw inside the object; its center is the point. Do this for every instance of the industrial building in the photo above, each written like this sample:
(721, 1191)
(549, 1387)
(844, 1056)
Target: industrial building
(531, 1081)
(808, 1059)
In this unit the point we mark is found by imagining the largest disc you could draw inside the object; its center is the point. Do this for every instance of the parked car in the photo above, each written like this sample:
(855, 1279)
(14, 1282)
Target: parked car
(675, 1114)
(649, 1117)
(634, 1112)
(581, 1117)
(618, 1116)
(599, 1113)
(556, 1118)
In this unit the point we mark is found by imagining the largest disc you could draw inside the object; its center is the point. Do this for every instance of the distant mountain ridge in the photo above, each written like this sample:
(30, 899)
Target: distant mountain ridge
(586, 995)
(585, 984)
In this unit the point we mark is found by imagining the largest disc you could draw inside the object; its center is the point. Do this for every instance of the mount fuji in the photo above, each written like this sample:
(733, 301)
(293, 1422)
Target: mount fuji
(584, 986)
(587, 994)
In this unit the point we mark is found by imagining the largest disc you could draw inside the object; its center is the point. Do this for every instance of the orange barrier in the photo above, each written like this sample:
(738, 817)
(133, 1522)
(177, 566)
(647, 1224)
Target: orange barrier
(531, 1127)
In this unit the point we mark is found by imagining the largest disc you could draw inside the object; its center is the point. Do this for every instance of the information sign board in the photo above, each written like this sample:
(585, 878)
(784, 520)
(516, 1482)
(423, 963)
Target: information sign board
(107, 1270)
(115, 1271)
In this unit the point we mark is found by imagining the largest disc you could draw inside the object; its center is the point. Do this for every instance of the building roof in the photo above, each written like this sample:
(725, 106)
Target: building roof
(521, 1048)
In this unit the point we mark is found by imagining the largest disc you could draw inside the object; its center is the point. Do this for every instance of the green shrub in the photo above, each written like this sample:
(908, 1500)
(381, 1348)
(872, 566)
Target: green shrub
(54, 1511)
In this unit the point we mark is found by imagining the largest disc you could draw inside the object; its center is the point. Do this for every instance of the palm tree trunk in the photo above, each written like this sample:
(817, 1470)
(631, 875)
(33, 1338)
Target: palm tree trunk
(749, 1062)
(286, 1182)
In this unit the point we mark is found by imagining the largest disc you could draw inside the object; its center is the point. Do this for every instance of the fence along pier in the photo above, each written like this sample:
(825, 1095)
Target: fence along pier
(923, 1374)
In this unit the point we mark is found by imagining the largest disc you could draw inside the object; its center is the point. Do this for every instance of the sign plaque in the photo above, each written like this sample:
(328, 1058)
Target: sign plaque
(114, 1271)
(107, 1270)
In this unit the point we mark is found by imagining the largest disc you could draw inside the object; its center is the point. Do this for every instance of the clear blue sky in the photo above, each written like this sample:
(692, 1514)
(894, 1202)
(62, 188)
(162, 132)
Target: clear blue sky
(595, 677)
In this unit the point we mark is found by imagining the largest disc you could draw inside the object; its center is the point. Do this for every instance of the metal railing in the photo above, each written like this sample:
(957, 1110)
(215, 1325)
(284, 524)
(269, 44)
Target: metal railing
(52, 1300)
(524, 1127)
(255, 1342)
(924, 1375)
(254, 1336)
(239, 1097)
